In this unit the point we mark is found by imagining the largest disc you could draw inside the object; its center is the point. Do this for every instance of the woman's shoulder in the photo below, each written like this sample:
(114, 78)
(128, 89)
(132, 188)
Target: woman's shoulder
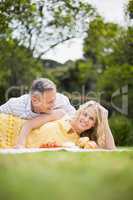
(63, 123)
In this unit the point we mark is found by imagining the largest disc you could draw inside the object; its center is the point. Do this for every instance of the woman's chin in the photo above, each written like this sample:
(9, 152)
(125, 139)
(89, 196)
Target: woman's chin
(81, 129)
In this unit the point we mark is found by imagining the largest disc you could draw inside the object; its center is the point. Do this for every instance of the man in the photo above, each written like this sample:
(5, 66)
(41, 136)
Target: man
(41, 105)
(43, 99)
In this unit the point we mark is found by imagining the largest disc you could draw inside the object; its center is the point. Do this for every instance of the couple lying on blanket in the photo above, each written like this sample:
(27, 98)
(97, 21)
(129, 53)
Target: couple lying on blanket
(87, 128)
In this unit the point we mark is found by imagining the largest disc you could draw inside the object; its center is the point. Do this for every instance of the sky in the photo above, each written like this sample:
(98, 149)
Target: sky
(111, 10)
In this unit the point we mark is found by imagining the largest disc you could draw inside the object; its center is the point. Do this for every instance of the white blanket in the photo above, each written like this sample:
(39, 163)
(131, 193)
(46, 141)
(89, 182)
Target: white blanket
(70, 149)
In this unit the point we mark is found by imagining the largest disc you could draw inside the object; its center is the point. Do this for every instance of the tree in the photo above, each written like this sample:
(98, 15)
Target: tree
(123, 49)
(113, 81)
(41, 25)
(17, 68)
(15, 11)
(100, 41)
(110, 48)
(129, 9)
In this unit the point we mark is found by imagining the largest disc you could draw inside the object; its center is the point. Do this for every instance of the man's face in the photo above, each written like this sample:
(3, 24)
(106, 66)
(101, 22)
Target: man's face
(44, 103)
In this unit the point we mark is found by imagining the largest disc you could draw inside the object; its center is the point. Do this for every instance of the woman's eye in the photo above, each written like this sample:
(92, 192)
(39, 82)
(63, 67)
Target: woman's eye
(91, 118)
(85, 114)
(88, 116)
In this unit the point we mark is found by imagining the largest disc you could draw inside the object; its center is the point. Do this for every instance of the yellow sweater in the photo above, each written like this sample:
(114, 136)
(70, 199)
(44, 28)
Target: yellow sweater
(58, 131)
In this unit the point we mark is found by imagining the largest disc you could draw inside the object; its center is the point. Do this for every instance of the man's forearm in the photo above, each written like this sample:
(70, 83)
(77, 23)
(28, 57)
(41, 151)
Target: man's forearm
(44, 118)
(36, 123)
(29, 126)
(23, 134)
(39, 121)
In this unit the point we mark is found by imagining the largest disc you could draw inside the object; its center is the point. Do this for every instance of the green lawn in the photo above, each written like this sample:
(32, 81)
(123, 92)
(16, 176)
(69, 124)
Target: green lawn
(65, 175)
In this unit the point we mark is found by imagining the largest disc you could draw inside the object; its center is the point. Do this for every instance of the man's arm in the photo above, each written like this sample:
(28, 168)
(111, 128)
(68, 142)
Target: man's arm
(36, 123)
(6, 107)
(15, 106)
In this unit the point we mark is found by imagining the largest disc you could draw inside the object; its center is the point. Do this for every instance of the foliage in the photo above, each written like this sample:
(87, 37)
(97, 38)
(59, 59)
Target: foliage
(114, 80)
(129, 10)
(21, 11)
(100, 41)
(41, 25)
(122, 130)
(123, 49)
(17, 68)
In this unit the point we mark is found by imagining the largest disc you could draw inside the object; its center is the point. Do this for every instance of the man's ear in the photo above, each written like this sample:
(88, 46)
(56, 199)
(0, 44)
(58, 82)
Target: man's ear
(35, 99)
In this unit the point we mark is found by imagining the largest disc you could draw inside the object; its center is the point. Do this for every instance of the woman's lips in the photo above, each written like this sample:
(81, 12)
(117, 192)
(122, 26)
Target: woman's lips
(82, 123)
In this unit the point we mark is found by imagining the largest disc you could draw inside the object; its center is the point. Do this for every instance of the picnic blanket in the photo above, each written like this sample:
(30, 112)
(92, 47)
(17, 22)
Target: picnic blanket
(70, 149)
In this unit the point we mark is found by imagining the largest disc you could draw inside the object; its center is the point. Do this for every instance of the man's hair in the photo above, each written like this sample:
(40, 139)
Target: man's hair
(40, 85)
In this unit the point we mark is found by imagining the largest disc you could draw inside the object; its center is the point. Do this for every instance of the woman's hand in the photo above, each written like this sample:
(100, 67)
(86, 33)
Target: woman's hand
(90, 145)
(86, 143)
(82, 141)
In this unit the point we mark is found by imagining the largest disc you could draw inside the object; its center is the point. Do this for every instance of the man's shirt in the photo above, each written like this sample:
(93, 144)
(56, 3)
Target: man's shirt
(21, 106)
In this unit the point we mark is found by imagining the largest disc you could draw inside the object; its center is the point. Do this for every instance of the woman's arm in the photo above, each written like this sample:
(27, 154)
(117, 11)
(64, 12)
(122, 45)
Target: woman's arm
(36, 123)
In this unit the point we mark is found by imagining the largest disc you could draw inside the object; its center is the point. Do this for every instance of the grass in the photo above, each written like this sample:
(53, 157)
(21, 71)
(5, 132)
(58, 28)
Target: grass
(65, 175)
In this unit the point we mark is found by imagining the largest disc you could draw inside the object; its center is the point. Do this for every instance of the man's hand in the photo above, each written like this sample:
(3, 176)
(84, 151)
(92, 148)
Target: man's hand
(23, 134)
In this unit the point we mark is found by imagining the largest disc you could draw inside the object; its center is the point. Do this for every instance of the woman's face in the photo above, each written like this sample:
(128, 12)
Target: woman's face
(85, 120)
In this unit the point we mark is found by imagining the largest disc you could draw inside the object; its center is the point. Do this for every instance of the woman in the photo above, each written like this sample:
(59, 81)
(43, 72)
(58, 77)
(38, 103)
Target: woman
(90, 120)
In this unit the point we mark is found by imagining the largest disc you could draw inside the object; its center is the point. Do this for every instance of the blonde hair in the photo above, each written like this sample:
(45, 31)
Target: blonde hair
(101, 129)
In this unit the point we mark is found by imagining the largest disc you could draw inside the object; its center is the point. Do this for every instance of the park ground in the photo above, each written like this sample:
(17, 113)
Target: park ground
(66, 175)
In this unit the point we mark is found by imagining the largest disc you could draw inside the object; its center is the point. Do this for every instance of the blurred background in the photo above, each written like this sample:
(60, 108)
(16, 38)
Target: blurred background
(85, 47)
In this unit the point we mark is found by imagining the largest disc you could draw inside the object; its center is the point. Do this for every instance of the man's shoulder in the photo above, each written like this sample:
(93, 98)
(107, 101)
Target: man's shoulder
(63, 102)
(24, 97)
(61, 96)
(16, 106)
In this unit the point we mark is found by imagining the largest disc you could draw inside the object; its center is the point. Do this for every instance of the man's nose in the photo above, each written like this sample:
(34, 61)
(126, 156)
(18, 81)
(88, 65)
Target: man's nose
(52, 105)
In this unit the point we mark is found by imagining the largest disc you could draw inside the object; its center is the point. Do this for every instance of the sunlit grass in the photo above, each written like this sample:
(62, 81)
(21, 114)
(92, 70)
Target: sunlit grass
(65, 175)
